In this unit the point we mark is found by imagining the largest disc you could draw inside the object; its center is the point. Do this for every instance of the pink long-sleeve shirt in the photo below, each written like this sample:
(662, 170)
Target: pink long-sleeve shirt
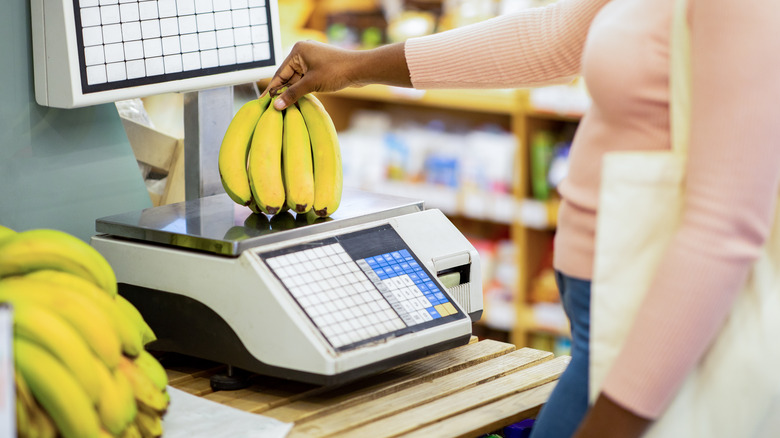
(621, 50)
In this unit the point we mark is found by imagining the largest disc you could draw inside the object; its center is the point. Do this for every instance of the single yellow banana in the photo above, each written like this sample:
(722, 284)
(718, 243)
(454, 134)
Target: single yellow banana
(297, 162)
(23, 426)
(126, 307)
(253, 204)
(117, 408)
(149, 424)
(58, 392)
(31, 419)
(5, 232)
(37, 249)
(146, 393)
(150, 366)
(128, 333)
(326, 153)
(79, 311)
(45, 328)
(40, 423)
(24, 400)
(265, 163)
(235, 148)
(131, 431)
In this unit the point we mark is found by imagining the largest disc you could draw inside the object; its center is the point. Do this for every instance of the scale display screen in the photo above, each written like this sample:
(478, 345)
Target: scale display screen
(362, 287)
(96, 51)
(123, 43)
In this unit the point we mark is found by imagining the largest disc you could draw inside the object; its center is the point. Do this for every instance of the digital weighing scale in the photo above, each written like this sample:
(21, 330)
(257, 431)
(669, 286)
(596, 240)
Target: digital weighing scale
(322, 301)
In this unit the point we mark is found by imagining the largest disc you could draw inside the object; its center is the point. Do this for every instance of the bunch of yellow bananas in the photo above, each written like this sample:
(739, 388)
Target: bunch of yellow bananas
(273, 161)
(81, 367)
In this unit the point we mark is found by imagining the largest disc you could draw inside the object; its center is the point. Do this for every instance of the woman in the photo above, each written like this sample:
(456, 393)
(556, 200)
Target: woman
(621, 49)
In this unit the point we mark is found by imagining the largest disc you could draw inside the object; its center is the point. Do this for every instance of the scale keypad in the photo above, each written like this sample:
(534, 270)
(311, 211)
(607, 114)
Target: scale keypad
(351, 301)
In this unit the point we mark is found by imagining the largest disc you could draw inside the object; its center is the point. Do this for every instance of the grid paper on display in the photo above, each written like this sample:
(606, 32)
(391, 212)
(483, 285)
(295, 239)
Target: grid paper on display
(125, 43)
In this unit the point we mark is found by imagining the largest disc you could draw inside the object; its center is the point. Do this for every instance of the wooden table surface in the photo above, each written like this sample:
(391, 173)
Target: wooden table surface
(464, 392)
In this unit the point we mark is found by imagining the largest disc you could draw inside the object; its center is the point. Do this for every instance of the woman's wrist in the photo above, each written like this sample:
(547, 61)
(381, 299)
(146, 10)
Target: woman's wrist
(382, 65)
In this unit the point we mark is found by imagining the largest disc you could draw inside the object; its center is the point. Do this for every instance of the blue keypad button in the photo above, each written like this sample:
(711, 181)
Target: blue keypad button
(414, 264)
(440, 296)
(433, 313)
(389, 271)
(388, 257)
(405, 253)
(397, 269)
(431, 285)
(405, 266)
(415, 278)
(397, 256)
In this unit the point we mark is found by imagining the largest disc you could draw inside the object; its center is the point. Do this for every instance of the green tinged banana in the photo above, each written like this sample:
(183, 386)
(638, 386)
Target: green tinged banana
(79, 311)
(33, 250)
(235, 148)
(265, 163)
(5, 232)
(149, 424)
(297, 162)
(150, 366)
(326, 153)
(130, 311)
(131, 432)
(45, 328)
(146, 393)
(117, 408)
(58, 392)
(128, 332)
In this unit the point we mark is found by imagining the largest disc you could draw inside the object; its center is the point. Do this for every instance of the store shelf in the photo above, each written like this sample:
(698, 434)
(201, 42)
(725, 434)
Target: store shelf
(485, 101)
(500, 208)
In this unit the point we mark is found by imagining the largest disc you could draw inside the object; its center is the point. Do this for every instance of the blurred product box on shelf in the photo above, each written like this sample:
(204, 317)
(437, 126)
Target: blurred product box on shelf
(550, 317)
(471, 169)
(558, 345)
(568, 100)
(549, 157)
(499, 277)
(294, 23)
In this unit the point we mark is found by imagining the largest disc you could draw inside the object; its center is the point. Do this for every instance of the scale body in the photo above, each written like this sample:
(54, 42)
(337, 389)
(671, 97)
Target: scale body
(321, 301)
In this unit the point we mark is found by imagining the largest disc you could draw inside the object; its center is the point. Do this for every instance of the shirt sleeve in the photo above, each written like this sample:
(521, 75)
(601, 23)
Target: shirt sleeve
(731, 191)
(533, 47)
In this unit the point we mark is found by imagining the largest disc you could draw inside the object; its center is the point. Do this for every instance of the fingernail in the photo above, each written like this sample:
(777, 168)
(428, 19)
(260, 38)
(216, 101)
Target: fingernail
(279, 104)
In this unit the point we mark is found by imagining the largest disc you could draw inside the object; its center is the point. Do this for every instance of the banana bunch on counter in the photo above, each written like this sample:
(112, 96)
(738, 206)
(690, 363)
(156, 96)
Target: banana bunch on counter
(274, 161)
(80, 363)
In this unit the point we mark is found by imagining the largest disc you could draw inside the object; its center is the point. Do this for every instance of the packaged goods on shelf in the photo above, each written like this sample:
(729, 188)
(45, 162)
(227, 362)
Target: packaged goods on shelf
(375, 149)
(558, 345)
(549, 163)
(499, 276)
(569, 99)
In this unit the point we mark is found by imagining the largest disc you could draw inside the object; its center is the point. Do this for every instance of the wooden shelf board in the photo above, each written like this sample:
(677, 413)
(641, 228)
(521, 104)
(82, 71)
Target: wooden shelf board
(485, 101)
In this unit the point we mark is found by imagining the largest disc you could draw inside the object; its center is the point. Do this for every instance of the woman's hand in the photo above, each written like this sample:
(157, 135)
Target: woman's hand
(608, 419)
(312, 66)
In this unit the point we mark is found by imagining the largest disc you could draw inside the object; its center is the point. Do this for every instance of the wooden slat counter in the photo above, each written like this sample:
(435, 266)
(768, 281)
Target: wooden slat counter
(463, 392)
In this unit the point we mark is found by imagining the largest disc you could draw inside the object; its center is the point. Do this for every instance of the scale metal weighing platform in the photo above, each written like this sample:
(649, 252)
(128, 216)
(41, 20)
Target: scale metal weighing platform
(325, 301)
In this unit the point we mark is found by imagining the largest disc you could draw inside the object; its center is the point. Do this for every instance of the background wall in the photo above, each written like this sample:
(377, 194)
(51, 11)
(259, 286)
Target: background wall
(58, 168)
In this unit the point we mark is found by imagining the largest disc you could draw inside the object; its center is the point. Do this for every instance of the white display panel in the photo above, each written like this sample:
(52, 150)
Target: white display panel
(96, 51)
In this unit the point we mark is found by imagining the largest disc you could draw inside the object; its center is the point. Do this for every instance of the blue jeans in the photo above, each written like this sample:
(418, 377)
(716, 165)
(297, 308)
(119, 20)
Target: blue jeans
(568, 403)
